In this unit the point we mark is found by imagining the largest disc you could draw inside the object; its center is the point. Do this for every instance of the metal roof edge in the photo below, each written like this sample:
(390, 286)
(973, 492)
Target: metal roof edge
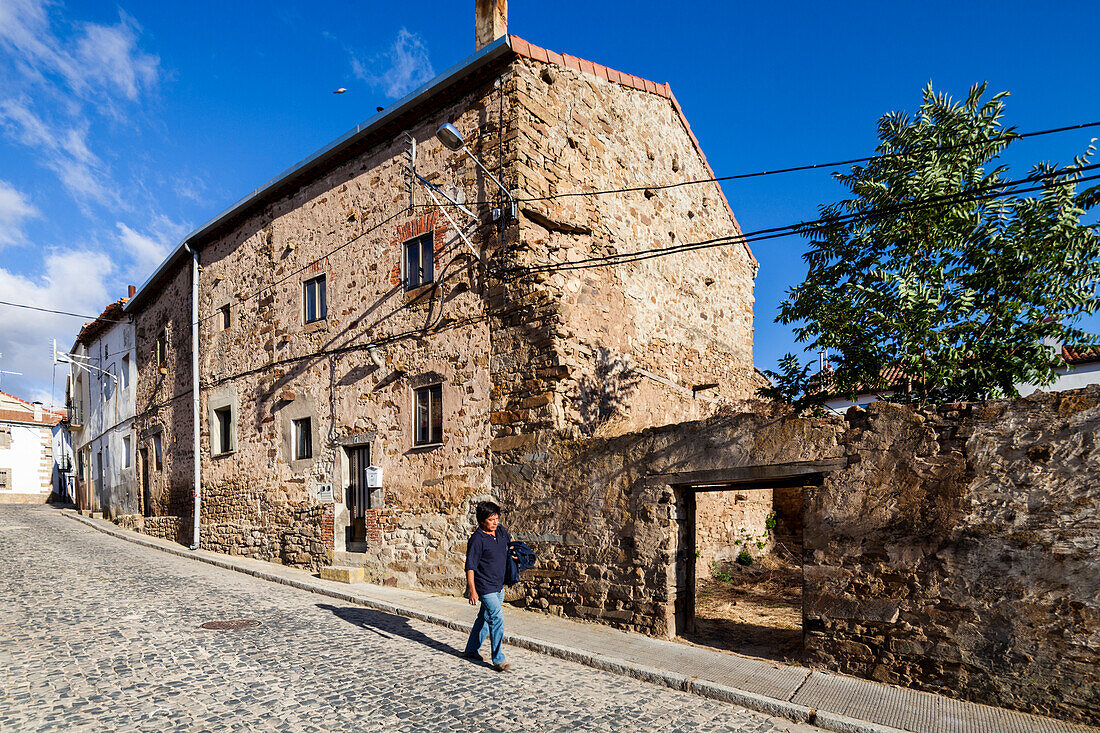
(456, 73)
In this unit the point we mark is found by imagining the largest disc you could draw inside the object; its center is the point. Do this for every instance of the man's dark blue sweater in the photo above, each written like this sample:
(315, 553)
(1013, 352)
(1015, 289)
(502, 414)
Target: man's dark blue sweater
(487, 556)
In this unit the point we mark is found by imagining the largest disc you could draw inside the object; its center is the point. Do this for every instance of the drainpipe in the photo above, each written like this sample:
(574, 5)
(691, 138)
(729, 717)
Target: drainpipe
(195, 388)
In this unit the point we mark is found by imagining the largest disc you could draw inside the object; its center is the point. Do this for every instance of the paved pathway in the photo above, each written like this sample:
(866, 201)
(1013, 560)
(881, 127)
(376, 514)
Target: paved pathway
(96, 633)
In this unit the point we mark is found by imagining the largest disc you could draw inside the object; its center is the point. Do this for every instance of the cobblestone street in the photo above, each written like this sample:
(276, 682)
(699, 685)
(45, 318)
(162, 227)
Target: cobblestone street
(97, 633)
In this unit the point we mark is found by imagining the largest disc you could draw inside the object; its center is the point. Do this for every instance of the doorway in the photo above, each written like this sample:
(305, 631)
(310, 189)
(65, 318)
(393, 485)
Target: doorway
(747, 584)
(357, 497)
(738, 563)
(146, 492)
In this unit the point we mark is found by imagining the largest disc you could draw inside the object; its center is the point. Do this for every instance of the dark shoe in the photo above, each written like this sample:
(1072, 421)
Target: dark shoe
(502, 667)
(475, 656)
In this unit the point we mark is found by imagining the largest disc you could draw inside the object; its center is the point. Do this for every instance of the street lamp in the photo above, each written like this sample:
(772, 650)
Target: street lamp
(451, 138)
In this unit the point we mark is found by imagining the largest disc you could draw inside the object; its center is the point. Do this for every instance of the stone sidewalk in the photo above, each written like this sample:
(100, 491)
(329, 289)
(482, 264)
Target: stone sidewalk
(831, 701)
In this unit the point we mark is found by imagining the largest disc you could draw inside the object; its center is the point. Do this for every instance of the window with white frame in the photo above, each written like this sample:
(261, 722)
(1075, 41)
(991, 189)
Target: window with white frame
(315, 299)
(428, 409)
(419, 258)
(125, 451)
(124, 373)
(303, 438)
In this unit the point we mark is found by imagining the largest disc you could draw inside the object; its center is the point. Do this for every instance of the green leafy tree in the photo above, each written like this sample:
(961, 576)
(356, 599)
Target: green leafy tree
(790, 384)
(929, 272)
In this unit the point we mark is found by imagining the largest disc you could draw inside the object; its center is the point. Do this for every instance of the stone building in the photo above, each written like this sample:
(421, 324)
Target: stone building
(357, 320)
(101, 410)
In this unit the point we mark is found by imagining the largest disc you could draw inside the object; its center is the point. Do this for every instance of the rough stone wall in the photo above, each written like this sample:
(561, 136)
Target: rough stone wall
(272, 368)
(727, 522)
(624, 345)
(961, 553)
(163, 407)
(609, 541)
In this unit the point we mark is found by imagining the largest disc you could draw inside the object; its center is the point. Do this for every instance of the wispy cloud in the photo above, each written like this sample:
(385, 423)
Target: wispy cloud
(146, 250)
(399, 70)
(15, 208)
(97, 59)
(62, 149)
(79, 72)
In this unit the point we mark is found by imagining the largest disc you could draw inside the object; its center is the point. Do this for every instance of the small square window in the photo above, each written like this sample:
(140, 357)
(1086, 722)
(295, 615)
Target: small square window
(224, 438)
(224, 318)
(125, 451)
(419, 261)
(303, 438)
(429, 414)
(315, 299)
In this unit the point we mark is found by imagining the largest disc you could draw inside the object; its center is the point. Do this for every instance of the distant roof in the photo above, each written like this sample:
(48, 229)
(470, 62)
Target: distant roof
(1081, 353)
(392, 120)
(111, 315)
(14, 409)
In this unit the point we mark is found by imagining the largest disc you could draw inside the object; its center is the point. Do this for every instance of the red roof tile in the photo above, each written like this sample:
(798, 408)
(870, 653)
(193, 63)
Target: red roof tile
(1081, 353)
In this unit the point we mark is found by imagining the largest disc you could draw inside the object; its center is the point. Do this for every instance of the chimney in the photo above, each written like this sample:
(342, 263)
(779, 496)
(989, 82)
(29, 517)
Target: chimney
(490, 21)
(130, 290)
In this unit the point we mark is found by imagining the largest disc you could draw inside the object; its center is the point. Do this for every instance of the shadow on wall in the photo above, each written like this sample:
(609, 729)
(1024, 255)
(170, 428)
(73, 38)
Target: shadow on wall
(604, 392)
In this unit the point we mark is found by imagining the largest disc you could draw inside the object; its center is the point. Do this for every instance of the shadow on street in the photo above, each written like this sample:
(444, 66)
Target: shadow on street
(387, 625)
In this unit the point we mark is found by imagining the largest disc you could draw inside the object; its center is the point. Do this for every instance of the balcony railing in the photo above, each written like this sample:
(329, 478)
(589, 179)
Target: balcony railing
(75, 415)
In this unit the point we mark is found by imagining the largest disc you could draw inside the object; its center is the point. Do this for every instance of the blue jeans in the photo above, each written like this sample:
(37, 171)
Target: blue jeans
(490, 622)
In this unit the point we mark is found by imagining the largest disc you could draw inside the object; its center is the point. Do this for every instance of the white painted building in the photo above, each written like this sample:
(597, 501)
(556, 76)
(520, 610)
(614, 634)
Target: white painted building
(30, 438)
(102, 401)
(1082, 369)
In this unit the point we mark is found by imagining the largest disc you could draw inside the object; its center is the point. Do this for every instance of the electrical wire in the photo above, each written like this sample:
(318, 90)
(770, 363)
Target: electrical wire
(990, 192)
(816, 166)
(793, 169)
(58, 312)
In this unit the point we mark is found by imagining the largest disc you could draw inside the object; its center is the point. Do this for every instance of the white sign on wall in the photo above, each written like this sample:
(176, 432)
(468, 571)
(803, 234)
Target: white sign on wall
(324, 492)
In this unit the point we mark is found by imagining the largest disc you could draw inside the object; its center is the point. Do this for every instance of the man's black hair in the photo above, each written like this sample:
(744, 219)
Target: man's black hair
(486, 509)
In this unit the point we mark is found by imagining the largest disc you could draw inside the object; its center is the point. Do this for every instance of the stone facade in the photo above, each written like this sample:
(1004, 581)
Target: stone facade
(961, 553)
(162, 418)
(515, 355)
(957, 552)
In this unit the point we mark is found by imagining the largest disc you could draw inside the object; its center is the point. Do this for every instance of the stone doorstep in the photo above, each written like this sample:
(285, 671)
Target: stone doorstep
(342, 574)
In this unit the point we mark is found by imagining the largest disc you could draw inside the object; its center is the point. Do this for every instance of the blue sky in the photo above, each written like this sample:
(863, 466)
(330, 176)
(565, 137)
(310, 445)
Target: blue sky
(124, 126)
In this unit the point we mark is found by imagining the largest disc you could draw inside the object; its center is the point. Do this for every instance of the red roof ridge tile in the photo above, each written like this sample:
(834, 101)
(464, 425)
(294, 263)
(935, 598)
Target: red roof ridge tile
(529, 50)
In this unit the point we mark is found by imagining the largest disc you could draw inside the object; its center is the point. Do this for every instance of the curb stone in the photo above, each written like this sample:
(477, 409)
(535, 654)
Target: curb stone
(692, 685)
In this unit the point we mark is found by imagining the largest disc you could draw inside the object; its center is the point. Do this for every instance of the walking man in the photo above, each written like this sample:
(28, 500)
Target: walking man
(486, 559)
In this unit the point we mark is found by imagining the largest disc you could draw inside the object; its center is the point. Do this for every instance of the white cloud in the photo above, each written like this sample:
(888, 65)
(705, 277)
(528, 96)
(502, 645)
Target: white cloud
(15, 208)
(104, 58)
(78, 281)
(78, 72)
(64, 150)
(148, 249)
(109, 57)
(402, 68)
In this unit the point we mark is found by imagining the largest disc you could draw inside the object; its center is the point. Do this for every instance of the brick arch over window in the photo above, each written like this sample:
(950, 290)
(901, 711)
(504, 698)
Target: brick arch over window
(410, 230)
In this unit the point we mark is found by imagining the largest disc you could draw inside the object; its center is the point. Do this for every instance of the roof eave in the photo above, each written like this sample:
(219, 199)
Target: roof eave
(440, 83)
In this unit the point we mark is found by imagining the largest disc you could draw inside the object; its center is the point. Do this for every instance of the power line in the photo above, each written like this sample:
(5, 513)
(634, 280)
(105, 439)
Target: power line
(787, 230)
(60, 313)
(807, 167)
